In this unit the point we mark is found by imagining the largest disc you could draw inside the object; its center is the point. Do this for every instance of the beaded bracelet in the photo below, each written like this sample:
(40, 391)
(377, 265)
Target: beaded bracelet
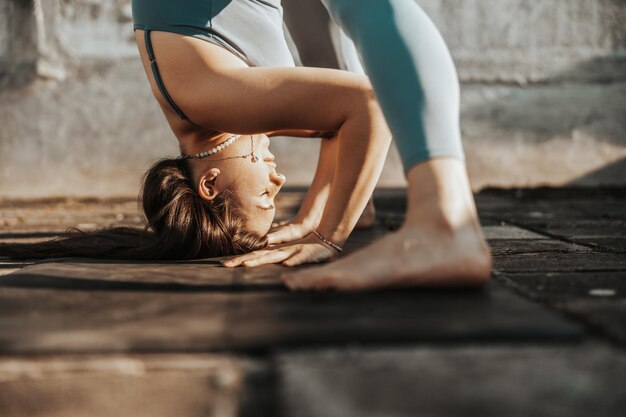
(327, 242)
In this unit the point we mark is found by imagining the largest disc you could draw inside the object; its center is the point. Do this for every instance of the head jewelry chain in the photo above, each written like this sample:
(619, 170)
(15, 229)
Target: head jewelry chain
(220, 147)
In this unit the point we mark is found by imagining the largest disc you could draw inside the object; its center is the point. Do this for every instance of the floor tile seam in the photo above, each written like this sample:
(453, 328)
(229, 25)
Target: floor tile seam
(505, 278)
(536, 272)
(537, 252)
(588, 328)
(562, 238)
(564, 271)
(591, 327)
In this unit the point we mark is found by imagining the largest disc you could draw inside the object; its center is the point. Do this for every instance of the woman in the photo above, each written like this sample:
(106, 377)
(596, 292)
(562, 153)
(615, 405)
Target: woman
(441, 242)
(223, 75)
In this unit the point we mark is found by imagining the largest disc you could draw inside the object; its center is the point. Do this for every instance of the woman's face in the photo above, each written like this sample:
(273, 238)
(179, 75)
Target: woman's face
(255, 184)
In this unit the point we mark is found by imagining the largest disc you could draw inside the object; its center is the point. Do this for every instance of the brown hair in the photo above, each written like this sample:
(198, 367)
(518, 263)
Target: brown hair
(180, 225)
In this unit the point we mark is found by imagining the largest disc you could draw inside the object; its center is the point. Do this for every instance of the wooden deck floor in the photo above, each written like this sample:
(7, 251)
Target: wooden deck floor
(192, 338)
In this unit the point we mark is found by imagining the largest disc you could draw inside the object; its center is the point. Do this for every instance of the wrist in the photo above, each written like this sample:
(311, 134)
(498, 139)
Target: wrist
(334, 247)
(335, 234)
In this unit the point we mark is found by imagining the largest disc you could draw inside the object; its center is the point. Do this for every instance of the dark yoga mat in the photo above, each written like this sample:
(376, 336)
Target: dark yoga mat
(79, 306)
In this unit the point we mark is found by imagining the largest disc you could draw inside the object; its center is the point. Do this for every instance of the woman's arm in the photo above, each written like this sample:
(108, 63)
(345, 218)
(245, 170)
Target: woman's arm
(342, 186)
(216, 90)
(360, 160)
(299, 133)
(346, 176)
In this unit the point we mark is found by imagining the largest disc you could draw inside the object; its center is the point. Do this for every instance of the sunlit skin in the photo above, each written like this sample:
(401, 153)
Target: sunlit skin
(254, 183)
(440, 243)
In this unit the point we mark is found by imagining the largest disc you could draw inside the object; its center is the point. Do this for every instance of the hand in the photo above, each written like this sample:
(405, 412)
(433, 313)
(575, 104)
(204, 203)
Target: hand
(288, 231)
(306, 250)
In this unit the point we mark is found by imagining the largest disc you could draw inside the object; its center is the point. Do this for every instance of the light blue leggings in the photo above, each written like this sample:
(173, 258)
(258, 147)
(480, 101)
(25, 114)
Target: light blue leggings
(411, 71)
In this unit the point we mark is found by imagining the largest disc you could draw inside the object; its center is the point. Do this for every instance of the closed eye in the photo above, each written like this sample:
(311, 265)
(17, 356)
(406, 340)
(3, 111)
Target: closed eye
(265, 193)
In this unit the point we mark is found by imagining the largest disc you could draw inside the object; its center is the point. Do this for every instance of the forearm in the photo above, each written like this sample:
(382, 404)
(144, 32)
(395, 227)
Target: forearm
(362, 148)
(312, 207)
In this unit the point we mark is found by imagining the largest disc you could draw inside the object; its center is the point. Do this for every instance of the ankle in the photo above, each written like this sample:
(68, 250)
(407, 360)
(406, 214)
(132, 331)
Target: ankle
(439, 194)
(444, 212)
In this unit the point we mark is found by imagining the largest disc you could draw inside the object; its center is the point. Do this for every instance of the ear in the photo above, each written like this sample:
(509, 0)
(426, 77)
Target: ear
(207, 185)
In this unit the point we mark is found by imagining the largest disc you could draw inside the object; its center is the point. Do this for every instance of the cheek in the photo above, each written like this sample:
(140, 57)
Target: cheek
(253, 181)
(255, 219)
(262, 222)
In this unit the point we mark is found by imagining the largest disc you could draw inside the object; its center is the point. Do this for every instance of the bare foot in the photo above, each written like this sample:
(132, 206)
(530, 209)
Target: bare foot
(368, 217)
(441, 243)
(409, 257)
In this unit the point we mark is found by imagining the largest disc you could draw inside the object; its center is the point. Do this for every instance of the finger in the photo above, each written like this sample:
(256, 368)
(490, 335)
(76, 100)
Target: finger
(238, 260)
(297, 259)
(273, 257)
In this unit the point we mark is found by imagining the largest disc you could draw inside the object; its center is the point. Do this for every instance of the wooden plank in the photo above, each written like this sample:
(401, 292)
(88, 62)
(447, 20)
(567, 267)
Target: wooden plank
(607, 235)
(510, 380)
(138, 386)
(532, 206)
(502, 247)
(558, 287)
(554, 262)
(581, 229)
(505, 231)
(613, 244)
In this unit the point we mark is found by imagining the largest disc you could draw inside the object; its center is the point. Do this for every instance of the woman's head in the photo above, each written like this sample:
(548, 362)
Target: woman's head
(246, 171)
(213, 207)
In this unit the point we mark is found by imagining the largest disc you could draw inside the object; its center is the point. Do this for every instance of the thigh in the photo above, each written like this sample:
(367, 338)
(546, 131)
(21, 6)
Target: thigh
(219, 91)
(419, 93)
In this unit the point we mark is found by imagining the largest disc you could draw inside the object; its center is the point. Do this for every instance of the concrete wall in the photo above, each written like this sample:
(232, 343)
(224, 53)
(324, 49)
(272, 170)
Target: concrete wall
(543, 95)
(524, 41)
(18, 47)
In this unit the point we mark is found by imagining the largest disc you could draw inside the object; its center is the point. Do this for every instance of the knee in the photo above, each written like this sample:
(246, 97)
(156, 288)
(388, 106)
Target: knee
(365, 88)
(366, 104)
(363, 96)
